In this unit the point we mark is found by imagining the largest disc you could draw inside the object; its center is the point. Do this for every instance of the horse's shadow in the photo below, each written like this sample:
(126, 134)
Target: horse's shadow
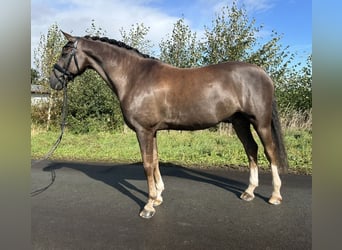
(118, 176)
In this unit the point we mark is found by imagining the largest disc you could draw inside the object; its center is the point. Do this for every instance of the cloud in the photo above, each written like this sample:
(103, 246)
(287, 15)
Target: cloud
(109, 15)
(253, 6)
(76, 16)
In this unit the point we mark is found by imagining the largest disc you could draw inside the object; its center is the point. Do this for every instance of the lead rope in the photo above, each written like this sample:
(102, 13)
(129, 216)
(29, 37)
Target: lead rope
(55, 145)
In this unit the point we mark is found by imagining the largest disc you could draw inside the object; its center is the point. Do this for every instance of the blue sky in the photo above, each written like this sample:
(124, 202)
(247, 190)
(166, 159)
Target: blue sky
(292, 18)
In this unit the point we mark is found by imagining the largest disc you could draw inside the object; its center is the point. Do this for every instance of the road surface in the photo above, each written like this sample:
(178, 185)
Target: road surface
(97, 205)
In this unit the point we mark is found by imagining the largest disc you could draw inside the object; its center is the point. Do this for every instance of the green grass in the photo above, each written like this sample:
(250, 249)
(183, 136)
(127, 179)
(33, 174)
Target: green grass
(200, 148)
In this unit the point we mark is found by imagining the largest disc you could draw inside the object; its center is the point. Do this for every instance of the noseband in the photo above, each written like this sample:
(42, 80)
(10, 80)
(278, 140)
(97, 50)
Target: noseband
(66, 74)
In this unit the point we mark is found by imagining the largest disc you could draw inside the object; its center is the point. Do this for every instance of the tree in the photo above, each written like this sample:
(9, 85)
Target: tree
(274, 58)
(234, 37)
(93, 30)
(231, 36)
(136, 38)
(295, 93)
(181, 49)
(45, 56)
(48, 51)
(34, 76)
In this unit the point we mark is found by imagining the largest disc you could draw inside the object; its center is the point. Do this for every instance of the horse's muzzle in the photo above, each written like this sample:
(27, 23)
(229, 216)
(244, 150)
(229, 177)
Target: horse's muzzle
(56, 83)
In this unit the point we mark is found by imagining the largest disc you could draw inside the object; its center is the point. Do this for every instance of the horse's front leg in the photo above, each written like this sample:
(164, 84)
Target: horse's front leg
(157, 176)
(145, 139)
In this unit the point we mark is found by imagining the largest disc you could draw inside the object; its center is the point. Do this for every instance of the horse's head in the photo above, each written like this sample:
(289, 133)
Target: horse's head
(70, 64)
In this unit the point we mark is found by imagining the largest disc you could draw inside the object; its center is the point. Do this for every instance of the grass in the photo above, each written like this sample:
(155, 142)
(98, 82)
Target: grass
(200, 148)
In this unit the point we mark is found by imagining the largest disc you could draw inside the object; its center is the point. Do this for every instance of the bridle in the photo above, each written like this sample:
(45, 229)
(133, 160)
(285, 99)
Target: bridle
(66, 74)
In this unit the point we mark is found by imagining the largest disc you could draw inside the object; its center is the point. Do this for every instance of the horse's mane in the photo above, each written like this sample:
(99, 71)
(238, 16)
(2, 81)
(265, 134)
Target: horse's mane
(119, 44)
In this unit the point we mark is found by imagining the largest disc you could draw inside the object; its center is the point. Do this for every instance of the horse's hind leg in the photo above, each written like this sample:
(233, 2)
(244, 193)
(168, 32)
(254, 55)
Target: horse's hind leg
(265, 135)
(243, 131)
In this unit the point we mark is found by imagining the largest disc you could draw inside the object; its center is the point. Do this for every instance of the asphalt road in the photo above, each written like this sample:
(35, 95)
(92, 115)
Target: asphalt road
(97, 205)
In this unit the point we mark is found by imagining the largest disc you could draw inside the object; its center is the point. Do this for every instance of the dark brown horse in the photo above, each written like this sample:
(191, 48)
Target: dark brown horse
(157, 96)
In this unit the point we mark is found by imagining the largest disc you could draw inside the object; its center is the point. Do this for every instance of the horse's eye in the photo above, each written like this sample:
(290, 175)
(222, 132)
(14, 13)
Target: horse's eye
(65, 53)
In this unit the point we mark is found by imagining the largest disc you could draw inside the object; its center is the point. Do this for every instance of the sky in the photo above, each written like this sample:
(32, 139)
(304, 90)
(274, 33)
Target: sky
(292, 18)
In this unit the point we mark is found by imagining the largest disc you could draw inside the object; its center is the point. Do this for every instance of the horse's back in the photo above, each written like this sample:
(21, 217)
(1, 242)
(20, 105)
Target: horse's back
(235, 82)
(226, 73)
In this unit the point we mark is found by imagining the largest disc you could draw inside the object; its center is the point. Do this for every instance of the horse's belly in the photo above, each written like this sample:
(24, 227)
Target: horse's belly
(192, 119)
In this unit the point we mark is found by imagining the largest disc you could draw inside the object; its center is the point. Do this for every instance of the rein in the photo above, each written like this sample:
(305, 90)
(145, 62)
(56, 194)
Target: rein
(64, 78)
(55, 145)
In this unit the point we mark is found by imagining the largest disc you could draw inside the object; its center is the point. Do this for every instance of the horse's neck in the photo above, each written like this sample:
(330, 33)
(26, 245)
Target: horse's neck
(112, 66)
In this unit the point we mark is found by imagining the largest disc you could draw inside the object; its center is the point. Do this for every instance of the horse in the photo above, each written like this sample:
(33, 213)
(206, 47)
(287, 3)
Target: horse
(156, 96)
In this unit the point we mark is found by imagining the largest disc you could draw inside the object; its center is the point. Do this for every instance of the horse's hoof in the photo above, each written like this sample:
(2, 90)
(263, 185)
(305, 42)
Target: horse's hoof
(246, 196)
(275, 200)
(147, 214)
(157, 203)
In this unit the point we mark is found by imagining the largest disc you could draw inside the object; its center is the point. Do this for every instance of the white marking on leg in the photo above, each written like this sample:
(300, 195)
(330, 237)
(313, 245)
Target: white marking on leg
(253, 180)
(160, 189)
(275, 178)
(160, 185)
(254, 177)
(248, 195)
(276, 197)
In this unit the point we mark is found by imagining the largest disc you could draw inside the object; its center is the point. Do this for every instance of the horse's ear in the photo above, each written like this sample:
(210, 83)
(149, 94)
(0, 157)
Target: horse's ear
(70, 38)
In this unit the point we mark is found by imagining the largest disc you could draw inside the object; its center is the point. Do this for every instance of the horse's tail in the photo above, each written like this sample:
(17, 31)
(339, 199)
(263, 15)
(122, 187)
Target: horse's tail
(278, 139)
